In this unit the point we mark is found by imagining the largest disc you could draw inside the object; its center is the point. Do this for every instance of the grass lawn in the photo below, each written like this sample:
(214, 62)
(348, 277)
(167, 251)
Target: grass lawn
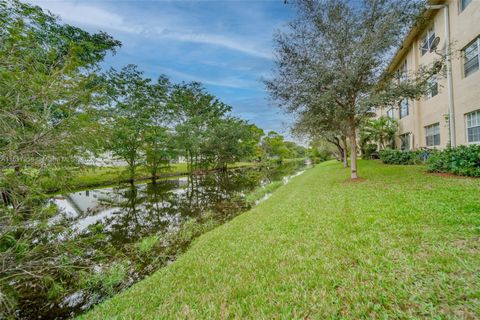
(400, 244)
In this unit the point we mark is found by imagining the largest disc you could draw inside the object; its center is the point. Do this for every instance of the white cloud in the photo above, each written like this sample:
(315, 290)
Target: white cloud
(218, 40)
(89, 15)
(230, 82)
(172, 28)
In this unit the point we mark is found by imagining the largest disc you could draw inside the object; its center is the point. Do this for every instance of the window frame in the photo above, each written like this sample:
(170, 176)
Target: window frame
(476, 42)
(427, 38)
(477, 112)
(392, 110)
(405, 137)
(402, 72)
(401, 106)
(432, 83)
(432, 127)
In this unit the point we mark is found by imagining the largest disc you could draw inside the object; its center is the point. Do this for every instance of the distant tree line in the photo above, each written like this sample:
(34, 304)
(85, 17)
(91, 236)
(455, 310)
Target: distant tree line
(153, 123)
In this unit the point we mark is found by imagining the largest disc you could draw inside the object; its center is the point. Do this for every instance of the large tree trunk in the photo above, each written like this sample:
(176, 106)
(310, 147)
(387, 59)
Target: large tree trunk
(353, 154)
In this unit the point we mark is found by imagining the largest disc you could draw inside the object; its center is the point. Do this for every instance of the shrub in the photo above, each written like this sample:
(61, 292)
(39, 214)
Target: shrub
(369, 151)
(146, 245)
(391, 156)
(462, 160)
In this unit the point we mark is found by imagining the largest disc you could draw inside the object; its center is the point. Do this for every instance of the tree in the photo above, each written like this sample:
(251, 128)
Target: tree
(196, 111)
(159, 138)
(323, 128)
(274, 146)
(48, 84)
(331, 62)
(230, 140)
(322, 150)
(134, 109)
(381, 130)
(158, 148)
(254, 143)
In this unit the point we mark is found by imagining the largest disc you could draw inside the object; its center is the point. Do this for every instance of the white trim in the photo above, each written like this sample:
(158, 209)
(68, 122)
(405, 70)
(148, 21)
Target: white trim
(466, 127)
(477, 40)
(439, 134)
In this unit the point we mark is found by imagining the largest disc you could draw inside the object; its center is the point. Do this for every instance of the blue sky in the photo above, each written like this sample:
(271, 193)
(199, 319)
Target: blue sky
(226, 45)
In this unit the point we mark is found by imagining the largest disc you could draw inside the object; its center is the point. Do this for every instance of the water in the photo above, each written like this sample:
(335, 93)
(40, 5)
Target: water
(121, 234)
(105, 229)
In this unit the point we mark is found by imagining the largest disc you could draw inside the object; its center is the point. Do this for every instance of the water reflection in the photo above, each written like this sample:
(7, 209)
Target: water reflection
(131, 212)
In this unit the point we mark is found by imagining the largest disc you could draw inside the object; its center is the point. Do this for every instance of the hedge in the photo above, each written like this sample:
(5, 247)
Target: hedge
(462, 160)
(391, 156)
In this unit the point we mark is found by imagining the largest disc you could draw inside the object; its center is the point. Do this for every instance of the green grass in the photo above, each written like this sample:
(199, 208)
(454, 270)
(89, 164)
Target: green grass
(401, 244)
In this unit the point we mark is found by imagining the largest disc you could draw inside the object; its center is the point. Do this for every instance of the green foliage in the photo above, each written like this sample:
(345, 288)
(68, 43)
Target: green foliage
(158, 148)
(137, 115)
(461, 160)
(231, 140)
(381, 130)
(369, 150)
(48, 87)
(196, 114)
(145, 245)
(393, 156)
(296, 151)
(320, 154)
(106, 280)
(275, 147)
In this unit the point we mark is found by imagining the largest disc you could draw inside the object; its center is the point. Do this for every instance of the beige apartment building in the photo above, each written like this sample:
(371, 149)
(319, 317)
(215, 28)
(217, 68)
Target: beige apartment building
(426, 122)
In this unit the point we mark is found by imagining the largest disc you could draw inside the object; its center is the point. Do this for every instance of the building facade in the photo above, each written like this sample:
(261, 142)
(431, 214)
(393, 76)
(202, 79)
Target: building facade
(425, 123)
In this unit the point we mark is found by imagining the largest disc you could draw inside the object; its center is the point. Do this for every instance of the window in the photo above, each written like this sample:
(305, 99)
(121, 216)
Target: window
(391, 113)
(464, 4)
(427, 40)
(433, 135)
(405, 141)
(402, 72)
(403, 108)
(432, 90)
(473, 126)
(471, 57)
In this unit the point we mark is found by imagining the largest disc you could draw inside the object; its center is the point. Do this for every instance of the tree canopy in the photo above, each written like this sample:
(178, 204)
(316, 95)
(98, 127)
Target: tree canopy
(331, 62)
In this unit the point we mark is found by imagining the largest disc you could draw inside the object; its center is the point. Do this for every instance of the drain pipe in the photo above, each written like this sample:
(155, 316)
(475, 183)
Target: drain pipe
(451, 110)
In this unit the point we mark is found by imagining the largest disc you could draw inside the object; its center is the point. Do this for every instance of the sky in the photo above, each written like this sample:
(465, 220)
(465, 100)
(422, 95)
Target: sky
(225, 44)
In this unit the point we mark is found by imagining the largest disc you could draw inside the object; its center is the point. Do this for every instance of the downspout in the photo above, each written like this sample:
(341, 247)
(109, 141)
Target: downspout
(451, 110)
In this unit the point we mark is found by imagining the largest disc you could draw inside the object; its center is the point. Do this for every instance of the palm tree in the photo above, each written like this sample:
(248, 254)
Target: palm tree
(381, 130)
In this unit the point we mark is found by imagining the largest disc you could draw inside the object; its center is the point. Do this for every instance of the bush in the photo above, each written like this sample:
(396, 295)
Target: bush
(369, 151)
(462, 160)
(391, 156)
